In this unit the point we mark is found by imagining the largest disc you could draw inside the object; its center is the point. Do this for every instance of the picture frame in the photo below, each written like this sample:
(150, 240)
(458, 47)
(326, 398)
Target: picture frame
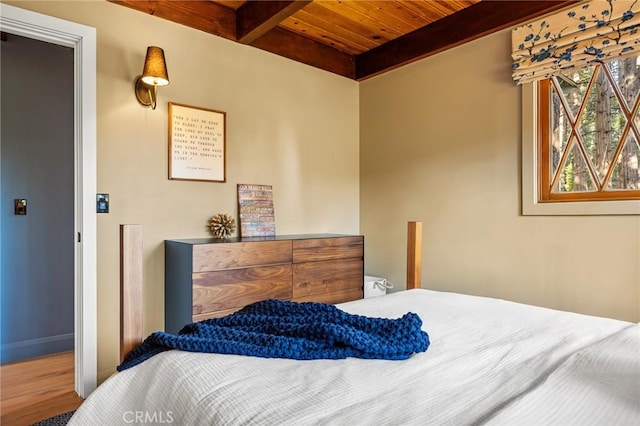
(197, 143)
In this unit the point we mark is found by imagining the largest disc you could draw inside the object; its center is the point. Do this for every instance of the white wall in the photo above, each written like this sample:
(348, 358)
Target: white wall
(441, 143)
(288, 125)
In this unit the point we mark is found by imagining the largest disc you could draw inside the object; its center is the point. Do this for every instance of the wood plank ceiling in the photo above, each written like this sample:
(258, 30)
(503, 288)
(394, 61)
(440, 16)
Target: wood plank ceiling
(357, 39)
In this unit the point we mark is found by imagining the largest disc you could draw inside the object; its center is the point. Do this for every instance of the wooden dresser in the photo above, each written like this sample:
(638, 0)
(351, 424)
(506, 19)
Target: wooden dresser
(206, 278)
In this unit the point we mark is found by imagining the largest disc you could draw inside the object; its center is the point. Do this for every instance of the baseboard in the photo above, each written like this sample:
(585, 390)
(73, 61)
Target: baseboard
(32, 348)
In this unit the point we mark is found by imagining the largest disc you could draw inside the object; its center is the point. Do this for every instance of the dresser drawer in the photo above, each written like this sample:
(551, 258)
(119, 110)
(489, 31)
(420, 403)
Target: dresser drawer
(235, 288)
(313, 250)
(327, 276)
(334, 297)
(214, 257)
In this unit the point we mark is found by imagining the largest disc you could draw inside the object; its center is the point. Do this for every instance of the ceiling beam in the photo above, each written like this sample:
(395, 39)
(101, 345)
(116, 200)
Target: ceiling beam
(466, 25)
(256, 23)
(255, 18)
(203, 15)
(293, 46)
(221, 21)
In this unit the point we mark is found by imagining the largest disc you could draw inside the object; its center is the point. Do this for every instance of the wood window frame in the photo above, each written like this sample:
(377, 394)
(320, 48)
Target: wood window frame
(546, 180)
(531, 204)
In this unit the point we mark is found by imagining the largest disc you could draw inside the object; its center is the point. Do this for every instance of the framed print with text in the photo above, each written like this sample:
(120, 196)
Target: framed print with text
(197, 143)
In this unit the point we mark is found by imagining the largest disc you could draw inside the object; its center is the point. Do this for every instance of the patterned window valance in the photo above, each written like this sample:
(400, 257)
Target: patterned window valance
(592, 31)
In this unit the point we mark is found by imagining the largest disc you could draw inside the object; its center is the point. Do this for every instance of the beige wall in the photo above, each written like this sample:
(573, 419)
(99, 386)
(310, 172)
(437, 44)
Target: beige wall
(440, 143)
(289, 125)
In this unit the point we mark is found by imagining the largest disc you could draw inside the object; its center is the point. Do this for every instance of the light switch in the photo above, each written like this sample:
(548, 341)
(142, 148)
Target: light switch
(102, 203)
(20, 206)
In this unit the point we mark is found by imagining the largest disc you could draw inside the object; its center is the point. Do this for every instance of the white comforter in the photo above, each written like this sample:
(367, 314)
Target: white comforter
(490, 361)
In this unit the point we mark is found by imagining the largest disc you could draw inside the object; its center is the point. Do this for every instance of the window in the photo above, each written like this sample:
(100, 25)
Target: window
(589, 132)
(580, 114)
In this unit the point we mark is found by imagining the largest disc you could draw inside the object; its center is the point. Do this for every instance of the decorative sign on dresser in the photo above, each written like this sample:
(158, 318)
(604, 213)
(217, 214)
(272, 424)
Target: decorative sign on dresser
(255, 207)
(206, 278)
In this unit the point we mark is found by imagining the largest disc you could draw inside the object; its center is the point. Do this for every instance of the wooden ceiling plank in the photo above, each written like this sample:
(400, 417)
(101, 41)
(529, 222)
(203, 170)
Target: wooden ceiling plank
(426, 15)
(206, 16)
(255, 18)
(383, 13)
(468, 24)
(358, 28)
(400, 12)
(431, 11)
(342, 8)
(321, 36)
(311, 24)
(444, 8)
(293, 46)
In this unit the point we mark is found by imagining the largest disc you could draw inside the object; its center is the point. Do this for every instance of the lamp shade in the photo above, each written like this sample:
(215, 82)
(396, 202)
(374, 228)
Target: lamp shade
(154, 72)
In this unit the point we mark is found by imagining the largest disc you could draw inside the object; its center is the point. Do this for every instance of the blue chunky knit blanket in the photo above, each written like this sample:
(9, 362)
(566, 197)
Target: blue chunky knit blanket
(281, 329)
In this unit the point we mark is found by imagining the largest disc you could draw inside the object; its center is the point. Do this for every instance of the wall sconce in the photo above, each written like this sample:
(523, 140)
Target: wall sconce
(154, 74)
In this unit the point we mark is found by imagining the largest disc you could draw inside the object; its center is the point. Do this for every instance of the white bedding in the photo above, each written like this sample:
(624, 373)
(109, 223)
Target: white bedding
(490, 361)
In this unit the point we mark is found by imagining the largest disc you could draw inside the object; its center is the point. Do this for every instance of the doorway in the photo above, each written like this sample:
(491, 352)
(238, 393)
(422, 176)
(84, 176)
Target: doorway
(82, 40)
(37, 169)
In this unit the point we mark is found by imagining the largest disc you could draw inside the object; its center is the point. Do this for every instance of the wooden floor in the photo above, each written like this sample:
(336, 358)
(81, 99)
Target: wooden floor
(37, 389)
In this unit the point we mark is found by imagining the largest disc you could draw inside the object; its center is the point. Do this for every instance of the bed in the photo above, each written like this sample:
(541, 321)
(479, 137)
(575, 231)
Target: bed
(490, 361)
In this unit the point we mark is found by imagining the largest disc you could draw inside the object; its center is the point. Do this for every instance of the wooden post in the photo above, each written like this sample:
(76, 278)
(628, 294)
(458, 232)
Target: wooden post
(131, 262)
(414, 255)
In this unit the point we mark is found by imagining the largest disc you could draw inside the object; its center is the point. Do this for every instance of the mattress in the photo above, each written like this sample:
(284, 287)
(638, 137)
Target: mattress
(490, 362)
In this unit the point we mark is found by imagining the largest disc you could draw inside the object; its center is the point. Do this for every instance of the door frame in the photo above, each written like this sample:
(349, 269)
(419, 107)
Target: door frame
(82, 39)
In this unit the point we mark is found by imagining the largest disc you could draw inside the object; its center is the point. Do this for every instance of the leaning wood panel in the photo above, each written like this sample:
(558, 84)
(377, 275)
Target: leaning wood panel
(316, 249)
(333, 297)
(131, 262)
(214, 257)
(414, 255)
(326, 277)
(234, 288)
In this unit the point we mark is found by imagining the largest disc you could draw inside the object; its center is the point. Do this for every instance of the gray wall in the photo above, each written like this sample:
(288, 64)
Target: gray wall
(36, 151)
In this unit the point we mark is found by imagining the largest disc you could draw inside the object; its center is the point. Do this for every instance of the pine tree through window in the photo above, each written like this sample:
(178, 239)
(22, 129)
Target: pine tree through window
(589, 145)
